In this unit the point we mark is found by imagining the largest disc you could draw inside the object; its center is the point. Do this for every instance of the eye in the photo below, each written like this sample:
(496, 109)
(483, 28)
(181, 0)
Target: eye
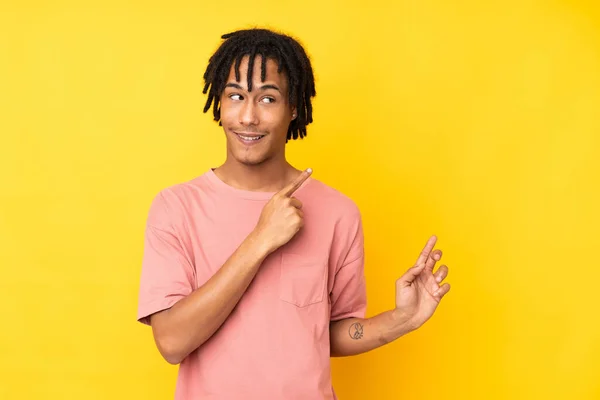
(268, 100)
(235, 97)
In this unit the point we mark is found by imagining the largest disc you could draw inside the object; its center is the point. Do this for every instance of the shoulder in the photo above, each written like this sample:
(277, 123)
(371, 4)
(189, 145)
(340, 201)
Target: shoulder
(340, 215)
(169, 203)
(331, 200)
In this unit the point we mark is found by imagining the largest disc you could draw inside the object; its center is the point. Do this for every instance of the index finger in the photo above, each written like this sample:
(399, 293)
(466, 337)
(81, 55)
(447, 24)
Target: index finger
(426, 250)
(292, 187)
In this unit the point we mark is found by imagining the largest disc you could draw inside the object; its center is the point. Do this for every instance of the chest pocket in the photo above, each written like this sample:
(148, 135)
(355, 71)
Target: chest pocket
(303, 280)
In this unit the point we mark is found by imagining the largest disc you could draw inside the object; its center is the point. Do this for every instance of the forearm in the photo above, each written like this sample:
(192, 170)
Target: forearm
(353, 336)
(193, 320)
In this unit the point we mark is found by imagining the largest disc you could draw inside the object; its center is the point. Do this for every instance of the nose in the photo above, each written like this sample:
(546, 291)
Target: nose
(248, 114)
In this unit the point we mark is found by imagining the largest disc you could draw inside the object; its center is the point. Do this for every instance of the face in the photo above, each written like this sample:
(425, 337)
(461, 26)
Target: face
(256, 122)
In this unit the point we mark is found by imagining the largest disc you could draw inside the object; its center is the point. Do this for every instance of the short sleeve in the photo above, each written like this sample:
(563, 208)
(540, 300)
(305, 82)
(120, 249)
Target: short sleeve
(167, 272)
(349, 295)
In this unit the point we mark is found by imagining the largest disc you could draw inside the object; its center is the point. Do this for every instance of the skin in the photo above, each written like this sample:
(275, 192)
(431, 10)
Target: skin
(263, 167)
(418, 294)
(264, 110)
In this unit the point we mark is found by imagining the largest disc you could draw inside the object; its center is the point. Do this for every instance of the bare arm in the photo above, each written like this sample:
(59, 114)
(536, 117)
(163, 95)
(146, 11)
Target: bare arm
(353, 336)
(190, 322)
(184, 327)
(418, 294)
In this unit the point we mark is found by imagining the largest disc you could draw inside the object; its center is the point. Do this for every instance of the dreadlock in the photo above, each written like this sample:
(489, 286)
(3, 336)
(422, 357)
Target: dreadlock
(290, 57)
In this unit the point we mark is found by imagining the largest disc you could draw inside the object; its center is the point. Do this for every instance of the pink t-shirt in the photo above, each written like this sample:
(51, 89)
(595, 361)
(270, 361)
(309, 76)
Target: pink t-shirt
(275, 343)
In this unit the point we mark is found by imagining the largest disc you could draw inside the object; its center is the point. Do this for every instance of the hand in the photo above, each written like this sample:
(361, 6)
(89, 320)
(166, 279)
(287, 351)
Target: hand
(282, 217)
(418, 291)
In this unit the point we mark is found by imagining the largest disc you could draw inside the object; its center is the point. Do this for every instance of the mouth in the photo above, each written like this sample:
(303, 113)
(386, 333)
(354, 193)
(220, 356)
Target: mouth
(249, 138)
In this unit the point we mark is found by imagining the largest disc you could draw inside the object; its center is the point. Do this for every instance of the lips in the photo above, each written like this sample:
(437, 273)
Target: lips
(249, 137)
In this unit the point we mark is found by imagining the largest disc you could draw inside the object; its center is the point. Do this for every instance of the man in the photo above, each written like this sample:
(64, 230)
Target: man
(252, 274)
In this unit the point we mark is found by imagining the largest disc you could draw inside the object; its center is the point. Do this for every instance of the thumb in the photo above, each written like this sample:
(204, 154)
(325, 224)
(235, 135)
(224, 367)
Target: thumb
(410, 275)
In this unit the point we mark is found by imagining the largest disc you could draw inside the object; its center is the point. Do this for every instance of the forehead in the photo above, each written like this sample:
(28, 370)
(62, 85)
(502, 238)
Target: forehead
(271, 73)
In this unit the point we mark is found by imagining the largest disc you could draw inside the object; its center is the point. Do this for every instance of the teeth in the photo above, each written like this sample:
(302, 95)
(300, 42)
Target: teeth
(250, 138)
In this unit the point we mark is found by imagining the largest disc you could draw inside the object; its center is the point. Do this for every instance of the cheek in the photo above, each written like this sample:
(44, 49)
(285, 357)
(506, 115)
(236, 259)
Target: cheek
(229, 111)
(276, 119)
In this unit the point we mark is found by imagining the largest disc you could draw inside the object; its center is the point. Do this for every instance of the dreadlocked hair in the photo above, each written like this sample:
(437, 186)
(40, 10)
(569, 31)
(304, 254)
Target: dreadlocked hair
(290, 57)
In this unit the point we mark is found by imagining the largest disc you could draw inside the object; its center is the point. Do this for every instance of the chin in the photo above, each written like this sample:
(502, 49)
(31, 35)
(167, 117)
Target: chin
(251, 163)
(250, 160)
(248, 157)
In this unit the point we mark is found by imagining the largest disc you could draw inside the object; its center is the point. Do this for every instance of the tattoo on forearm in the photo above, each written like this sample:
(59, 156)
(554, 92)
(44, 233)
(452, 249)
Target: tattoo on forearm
(356, 331)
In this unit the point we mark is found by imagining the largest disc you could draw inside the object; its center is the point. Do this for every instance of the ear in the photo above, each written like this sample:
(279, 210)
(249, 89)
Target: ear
(294, 113)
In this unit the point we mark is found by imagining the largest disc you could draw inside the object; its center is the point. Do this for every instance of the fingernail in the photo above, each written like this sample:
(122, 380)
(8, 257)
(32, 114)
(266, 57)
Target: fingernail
(309, 170)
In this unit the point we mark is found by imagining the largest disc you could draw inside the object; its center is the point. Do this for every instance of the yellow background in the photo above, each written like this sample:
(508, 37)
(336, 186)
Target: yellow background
(476, 121)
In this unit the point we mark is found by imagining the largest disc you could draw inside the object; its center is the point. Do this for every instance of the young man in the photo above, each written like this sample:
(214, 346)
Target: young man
(252, 274)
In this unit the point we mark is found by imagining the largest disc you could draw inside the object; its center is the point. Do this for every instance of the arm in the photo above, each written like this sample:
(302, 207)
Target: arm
(418, 294)
(191, 321)
(353, 336)
(184, 327)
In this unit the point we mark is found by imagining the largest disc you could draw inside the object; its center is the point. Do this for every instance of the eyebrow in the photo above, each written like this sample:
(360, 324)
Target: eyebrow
(263, 87)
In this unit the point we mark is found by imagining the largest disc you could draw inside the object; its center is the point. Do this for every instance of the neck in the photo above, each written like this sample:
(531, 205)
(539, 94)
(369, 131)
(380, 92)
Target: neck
(269, 176)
